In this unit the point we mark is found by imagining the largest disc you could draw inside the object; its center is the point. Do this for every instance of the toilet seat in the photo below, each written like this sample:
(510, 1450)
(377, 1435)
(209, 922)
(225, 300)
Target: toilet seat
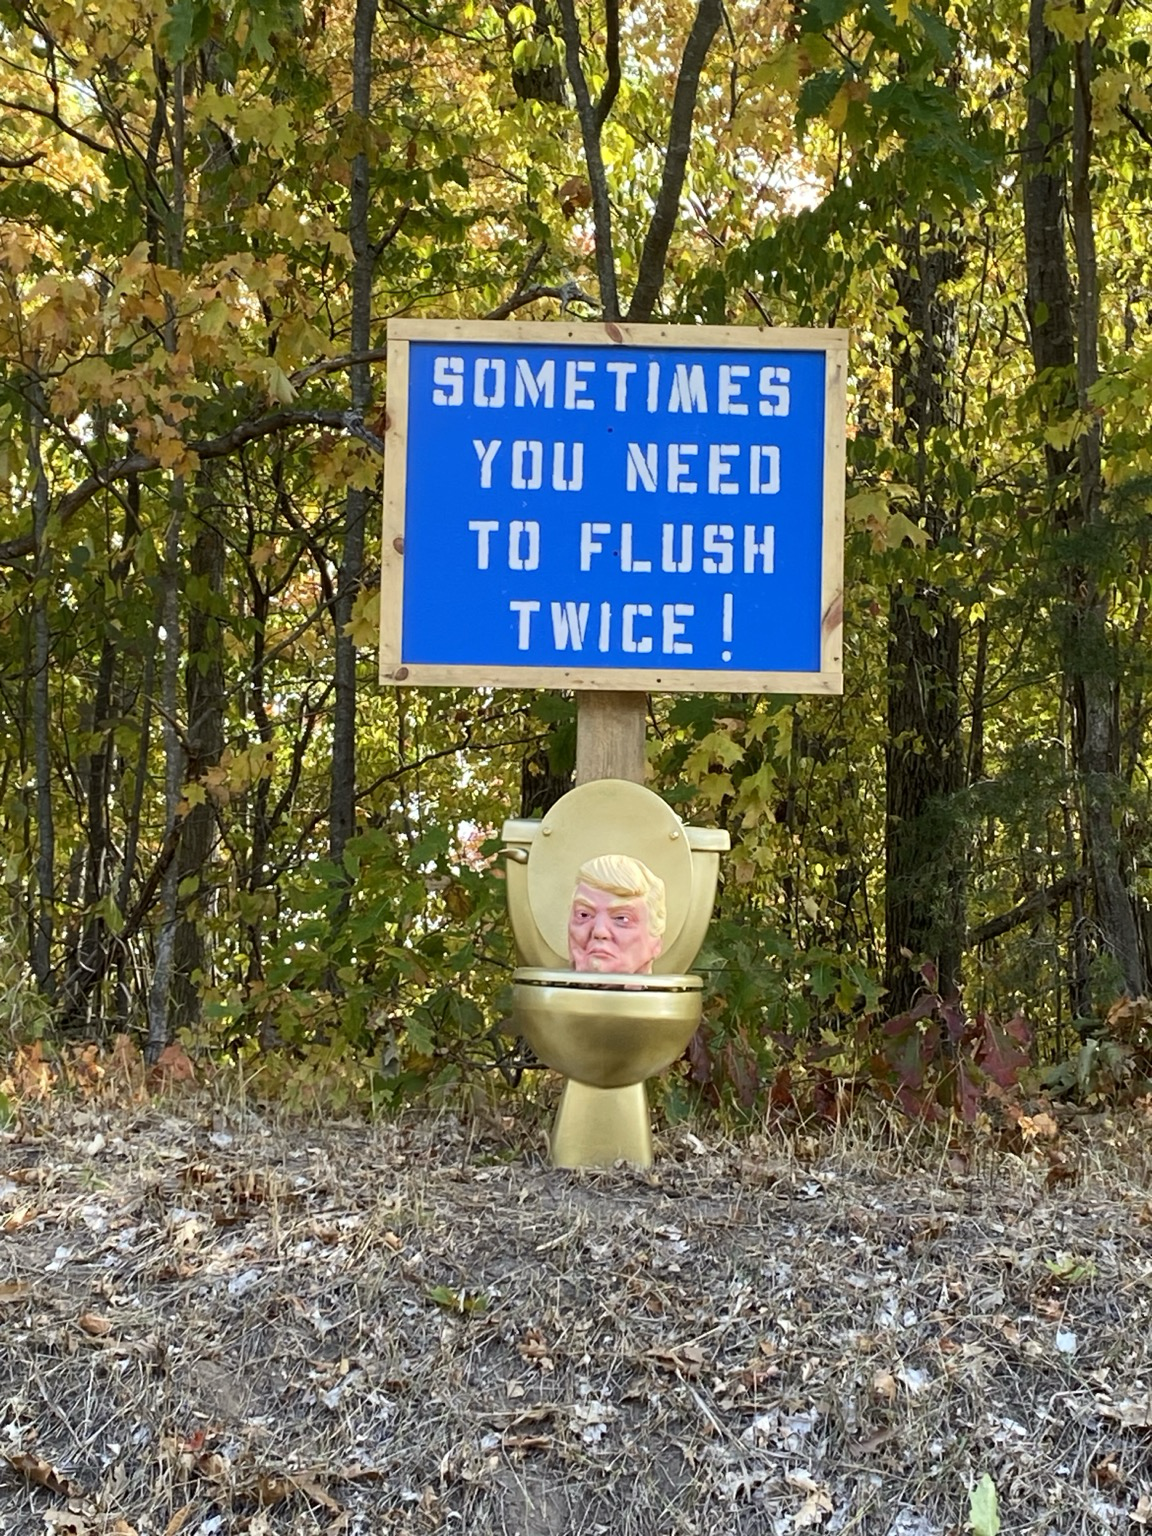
(606, 816)
(604, 981)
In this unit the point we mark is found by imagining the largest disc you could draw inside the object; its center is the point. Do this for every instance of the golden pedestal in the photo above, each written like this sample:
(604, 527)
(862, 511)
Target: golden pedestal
(596, 1127)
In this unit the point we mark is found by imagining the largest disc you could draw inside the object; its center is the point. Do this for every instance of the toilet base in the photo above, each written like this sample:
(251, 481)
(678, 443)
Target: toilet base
(596, 1127)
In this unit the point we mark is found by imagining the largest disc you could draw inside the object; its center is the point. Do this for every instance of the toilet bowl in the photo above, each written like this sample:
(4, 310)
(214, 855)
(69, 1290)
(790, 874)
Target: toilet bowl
(607, 1033)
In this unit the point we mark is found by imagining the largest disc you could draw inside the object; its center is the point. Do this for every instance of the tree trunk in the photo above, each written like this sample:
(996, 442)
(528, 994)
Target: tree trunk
(1095, 686)
(342, 804)
(160, 988)
(1064, 351)
(925, 860)
(42, 912)
(204, 703)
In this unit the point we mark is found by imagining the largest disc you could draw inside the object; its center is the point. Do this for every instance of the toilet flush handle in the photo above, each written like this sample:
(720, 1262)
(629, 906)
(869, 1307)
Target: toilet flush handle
(517, 855)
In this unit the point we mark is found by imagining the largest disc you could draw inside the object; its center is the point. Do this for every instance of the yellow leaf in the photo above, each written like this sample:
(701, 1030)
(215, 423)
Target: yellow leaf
(838, 110)
(1068, 22)
(901, 527)
(363, 627)
(279, 384)
(214, 317)
(173, 454)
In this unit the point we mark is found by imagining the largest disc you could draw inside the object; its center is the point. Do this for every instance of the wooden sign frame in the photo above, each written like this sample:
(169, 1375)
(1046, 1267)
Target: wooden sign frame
(581, 671)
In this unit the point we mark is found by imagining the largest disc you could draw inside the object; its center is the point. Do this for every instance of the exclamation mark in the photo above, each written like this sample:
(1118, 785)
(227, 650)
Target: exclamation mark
(726, 627)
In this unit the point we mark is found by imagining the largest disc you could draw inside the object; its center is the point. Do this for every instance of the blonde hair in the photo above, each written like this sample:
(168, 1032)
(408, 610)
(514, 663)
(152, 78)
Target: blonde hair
(622, 875)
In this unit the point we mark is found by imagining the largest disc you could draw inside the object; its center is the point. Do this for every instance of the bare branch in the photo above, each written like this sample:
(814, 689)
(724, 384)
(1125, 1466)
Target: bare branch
(205, 448)
(1141, 128)
(530, 266)
(594, 160)
(436, 26)
(392, 231)
(650, 278)
(337, 364)
(612, 56)
(567, 293)
(20, 162)
(52, 115)
(1034, 906)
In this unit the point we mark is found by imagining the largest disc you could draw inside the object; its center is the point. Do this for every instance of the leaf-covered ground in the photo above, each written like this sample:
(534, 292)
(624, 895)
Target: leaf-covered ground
(214, 1325)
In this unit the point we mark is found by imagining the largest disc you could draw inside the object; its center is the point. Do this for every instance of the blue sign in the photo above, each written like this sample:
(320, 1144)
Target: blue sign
(613, 507)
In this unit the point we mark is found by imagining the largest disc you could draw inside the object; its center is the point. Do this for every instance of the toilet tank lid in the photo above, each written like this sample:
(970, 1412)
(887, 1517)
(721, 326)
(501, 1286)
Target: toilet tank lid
(708, 839)
(702, 839)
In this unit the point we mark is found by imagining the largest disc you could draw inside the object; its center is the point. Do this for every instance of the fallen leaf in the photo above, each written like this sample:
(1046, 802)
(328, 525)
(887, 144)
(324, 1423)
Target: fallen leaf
(93, 1324)
(43, 1473)
(802, 1480)
(884, 1385)
(66, 1522)
(176, 1523)
(1131, 1413)
(14, 1290)
(173, 1065)
(533, 1348)
(274, 1487)
(1041, 1125)
(311, 1489)
(984, 1508)
(814, 1511)
(680, 1359)
(1108, 1473)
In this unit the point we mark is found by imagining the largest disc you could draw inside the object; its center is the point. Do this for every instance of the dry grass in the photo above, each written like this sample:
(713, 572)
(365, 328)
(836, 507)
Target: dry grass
(217, 1325)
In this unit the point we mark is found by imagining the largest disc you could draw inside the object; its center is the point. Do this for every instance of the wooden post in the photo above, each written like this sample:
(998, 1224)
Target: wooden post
(610, 730)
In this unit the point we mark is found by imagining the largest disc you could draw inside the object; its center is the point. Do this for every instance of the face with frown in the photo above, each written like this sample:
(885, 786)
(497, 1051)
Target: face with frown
(612, 918)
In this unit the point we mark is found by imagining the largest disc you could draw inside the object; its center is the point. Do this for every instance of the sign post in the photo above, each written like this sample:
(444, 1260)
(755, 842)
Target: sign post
(614, 509)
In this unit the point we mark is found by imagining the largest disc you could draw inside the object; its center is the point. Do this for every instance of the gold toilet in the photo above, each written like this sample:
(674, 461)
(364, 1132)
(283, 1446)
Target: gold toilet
(605, 1032)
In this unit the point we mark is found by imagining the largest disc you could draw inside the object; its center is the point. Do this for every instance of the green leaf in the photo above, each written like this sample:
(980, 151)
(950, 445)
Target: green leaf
(1070, 1270)
(984, 1508)
(186, 27)
(941, 36)
(467, 1302)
